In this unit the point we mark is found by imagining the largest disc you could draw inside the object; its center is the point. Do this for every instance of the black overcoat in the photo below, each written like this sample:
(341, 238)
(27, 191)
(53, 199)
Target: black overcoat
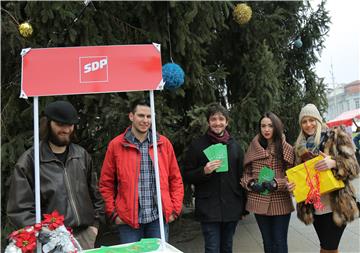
(219, 197)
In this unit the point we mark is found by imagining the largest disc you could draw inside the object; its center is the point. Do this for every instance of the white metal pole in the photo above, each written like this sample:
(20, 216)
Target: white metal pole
(156, 166)
(37, 166)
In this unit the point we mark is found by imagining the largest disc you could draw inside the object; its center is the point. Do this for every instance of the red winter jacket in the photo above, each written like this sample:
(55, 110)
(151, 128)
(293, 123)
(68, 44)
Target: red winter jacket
(122, 160)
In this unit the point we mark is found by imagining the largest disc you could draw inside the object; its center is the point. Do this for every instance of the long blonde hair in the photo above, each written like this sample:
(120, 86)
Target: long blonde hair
(320, 126)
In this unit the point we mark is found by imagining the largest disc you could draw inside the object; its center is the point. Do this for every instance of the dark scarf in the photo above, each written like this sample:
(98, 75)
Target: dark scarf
(307, 148)
(217, 138)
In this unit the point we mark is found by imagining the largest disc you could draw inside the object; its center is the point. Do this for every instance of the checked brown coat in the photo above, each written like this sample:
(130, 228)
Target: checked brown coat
(278, 202)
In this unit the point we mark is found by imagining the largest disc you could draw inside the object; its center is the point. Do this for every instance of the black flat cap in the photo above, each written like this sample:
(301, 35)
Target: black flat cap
(62, 112)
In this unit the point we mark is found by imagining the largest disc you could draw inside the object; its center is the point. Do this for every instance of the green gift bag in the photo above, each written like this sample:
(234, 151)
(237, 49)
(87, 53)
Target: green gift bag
(266, 174)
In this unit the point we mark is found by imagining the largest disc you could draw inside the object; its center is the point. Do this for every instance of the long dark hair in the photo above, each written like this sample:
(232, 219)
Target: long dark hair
(44, 130)
(277, 135)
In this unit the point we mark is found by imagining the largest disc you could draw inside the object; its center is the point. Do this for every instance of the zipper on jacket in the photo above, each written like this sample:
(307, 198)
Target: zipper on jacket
(136, 188)
(152, 160)
(136, 185)
(72, 201)
(71, 197)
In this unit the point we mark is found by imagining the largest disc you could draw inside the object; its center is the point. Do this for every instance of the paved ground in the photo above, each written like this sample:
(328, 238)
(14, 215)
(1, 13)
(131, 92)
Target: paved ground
(247, 239)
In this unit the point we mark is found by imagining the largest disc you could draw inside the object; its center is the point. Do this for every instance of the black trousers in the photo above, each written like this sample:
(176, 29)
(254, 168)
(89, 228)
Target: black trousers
(328, 232)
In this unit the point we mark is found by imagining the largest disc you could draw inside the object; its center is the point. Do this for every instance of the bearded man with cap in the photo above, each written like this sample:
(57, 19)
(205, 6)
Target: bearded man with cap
(68, 182)
(335, 145)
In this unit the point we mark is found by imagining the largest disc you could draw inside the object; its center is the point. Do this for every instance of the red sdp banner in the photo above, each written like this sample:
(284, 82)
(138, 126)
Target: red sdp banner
(94, 69)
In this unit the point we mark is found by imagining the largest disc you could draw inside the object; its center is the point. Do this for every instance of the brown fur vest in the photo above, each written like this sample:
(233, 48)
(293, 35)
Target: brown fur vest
(343, 201)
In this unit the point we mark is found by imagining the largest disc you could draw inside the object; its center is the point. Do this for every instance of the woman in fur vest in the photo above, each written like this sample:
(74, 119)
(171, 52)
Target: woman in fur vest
(270, 201)
(339, 156)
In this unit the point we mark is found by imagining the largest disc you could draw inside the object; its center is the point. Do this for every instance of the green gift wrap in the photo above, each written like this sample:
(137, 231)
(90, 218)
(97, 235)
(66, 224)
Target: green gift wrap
(266, 174)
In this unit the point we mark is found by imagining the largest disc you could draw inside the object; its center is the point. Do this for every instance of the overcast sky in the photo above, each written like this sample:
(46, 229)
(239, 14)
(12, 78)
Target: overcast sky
(342, 43)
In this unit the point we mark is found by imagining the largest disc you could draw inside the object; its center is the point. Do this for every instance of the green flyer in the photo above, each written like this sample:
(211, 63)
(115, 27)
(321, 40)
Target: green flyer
(218, 152)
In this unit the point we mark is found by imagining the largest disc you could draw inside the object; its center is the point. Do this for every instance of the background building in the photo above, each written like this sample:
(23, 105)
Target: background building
(343, 98)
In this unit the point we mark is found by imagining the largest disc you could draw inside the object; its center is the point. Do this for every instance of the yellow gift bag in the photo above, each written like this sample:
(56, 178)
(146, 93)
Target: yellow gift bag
(307, 179)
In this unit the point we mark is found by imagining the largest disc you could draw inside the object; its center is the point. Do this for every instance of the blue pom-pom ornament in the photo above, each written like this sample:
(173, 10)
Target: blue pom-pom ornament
(298, 43)
(173, 76)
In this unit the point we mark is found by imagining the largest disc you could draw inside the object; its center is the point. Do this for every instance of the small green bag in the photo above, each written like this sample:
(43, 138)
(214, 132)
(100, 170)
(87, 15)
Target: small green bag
(266, 174)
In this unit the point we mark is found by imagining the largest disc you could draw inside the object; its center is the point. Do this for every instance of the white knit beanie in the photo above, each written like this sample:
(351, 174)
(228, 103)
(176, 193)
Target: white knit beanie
(310, 110)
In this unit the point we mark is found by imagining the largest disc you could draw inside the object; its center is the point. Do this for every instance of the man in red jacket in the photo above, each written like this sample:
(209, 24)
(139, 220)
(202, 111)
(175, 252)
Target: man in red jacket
(127, 181)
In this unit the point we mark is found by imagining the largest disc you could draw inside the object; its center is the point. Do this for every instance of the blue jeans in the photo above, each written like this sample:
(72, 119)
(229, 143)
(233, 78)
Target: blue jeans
(274, 231)
(128, 234)
(218, 236)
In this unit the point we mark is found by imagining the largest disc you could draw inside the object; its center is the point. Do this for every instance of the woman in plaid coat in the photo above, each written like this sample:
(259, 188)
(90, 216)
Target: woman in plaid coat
(269, 200)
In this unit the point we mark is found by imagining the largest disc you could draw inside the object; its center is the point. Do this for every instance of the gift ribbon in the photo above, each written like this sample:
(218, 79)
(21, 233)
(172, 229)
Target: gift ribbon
(313, 196)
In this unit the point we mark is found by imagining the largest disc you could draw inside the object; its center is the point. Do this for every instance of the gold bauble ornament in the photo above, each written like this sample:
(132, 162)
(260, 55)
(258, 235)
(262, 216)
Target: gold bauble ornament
(25, 29)
(242, 13)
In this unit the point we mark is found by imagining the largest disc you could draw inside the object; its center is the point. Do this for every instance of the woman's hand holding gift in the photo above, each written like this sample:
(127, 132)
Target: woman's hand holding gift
(271, 186)
(290, 186)
(253, 185)
(325, 164)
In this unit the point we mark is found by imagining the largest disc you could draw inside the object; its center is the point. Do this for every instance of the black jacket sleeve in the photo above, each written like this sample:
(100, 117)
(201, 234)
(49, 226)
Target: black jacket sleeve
(93, 185)
(195, 162)
(21, 204)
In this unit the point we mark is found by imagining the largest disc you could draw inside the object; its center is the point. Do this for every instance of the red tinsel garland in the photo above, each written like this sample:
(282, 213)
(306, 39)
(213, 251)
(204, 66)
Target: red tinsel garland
(313, 196)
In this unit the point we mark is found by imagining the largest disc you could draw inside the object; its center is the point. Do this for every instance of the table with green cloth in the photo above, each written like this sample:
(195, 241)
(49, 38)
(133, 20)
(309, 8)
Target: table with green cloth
(144, 245)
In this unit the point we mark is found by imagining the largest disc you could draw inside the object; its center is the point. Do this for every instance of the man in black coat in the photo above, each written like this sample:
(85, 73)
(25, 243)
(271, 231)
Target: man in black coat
(219, 198)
